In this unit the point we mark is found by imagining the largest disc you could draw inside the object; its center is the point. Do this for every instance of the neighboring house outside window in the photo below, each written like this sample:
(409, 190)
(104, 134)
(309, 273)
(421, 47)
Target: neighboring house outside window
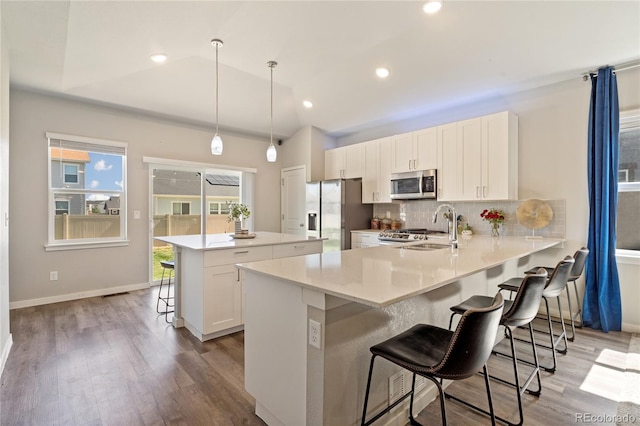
(87, 192)
(628, 226)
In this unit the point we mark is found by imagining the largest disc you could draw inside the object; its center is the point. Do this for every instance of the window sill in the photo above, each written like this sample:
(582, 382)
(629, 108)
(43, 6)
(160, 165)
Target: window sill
(628, 257)
(85, 245)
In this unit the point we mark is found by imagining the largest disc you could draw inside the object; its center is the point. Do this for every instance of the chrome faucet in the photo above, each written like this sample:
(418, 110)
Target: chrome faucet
(453, 234)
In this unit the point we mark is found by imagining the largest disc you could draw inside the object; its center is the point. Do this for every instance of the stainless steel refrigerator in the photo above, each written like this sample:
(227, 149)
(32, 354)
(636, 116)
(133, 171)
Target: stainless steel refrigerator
(334, 209)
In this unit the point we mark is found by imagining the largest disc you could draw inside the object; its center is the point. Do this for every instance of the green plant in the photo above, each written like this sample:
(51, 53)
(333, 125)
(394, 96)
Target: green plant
(237, 211)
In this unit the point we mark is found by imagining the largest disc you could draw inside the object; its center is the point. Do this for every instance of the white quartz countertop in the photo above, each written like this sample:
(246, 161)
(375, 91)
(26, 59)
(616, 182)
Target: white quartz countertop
(226, 241)
(381, 276)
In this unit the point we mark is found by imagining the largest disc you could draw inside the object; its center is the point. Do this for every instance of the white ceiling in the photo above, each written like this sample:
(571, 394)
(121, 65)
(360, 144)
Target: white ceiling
(327, 52)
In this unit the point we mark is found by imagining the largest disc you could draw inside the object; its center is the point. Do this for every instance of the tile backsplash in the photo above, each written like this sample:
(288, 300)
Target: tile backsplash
(418, 214)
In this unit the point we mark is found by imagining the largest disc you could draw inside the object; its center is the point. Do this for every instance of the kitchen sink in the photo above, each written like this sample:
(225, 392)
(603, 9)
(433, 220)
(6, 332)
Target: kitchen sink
(424, 247)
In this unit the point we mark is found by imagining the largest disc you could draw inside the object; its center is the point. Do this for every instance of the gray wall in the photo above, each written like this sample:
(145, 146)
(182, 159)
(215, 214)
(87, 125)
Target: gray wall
(92, 271)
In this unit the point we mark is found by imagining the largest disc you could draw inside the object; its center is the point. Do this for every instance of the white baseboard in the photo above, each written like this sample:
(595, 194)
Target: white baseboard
(630, 328)
(5, 353)
(75, 296)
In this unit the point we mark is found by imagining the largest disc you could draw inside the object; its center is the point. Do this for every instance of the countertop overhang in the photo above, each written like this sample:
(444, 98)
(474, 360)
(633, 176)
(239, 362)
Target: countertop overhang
(382, 276)
(227, 241)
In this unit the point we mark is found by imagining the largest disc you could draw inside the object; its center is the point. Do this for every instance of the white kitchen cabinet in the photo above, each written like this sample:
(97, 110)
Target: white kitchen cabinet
(212, 288)
(377, 171)
(364, 239)
(344, 163)
(478, 159)
(415, 151)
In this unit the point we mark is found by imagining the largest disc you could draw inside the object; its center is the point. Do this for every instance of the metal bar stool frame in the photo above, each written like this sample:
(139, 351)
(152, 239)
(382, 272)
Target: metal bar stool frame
(170, 266)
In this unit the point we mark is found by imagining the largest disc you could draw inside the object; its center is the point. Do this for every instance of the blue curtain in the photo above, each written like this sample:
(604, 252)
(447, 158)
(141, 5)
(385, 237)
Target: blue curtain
(602, 306)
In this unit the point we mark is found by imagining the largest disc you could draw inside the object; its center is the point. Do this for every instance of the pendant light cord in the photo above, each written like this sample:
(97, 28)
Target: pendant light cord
(217, 47)
(272, 103)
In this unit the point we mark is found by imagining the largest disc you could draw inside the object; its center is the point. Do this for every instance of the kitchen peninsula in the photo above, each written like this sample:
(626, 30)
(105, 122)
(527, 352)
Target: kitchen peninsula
(310, 320)
(209, 296)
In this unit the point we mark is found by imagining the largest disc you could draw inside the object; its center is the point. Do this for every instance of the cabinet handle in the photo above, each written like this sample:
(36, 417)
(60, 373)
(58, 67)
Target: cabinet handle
(298, 247)
(477, 192)
(414, 164)
(241, 252)
(409, 164)
(484, 192)
(237, 269)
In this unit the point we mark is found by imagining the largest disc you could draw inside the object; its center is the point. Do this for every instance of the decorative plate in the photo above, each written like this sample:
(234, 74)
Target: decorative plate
(534, 214)
(243, 236)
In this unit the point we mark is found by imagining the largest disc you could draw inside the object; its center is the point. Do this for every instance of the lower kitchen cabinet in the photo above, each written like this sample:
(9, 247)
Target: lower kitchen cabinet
(212, 287)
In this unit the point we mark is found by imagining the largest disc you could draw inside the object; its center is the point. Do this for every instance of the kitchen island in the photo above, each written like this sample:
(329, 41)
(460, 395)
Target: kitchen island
(309, 321)
(209, 296)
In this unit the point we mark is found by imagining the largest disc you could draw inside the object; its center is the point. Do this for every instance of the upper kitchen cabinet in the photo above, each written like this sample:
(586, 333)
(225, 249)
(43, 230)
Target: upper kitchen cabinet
(376, 173)
(478, 159)
(344, 163)
(415, 151)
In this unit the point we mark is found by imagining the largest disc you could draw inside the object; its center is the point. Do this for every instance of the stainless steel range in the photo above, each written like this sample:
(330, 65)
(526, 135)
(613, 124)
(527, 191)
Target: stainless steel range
(399, 236)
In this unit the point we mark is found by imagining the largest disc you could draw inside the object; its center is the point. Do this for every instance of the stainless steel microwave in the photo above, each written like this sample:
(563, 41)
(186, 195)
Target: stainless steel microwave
(414, 185)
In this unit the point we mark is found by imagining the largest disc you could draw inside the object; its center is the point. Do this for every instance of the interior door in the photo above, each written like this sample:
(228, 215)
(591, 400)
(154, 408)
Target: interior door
(293, 200)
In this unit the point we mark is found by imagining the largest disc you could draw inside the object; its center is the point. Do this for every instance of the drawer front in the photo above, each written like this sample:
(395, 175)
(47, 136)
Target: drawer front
(297, 249)
(370, 239)
(237, 255)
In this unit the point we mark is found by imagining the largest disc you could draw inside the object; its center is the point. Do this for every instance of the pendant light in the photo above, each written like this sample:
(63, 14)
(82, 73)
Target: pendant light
(216, 142)
(272, 154)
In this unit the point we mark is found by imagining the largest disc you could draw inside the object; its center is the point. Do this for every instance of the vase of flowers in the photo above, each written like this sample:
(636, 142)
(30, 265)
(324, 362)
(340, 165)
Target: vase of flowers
(238, 212)
(495, 217)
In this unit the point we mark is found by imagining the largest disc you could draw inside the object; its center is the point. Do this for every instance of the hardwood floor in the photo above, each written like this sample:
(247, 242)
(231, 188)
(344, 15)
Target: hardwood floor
(113, 361)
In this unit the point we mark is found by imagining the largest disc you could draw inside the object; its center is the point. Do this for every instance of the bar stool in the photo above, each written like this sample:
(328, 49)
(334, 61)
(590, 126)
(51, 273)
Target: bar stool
(517, 313)
(580, 258)
(167, 265)
(436, 353)
(556, 284)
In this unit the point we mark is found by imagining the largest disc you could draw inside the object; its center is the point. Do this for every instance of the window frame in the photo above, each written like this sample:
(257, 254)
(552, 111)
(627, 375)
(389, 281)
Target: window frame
(65, 174)
(90, 144)
(629, 120)
(60, 200)
(182, 204)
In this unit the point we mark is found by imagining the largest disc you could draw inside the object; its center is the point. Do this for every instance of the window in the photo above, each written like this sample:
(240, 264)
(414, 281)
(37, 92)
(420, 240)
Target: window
(87, 192)
(62, 207)
(219, 208)
(71, 173)
(180, 208)
(627, 226)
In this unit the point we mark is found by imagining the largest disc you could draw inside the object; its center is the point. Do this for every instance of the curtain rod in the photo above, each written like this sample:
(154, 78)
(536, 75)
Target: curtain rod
(620, 68)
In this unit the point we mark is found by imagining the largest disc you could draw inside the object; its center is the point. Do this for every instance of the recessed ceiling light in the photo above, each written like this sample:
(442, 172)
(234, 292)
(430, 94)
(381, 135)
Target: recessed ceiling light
(382, 72)
(307, 104)
(159, 57)
(432, 6)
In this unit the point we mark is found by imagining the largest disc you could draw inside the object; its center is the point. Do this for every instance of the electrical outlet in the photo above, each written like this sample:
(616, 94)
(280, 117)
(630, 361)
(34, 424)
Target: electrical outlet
(315, 334)
(53, 276)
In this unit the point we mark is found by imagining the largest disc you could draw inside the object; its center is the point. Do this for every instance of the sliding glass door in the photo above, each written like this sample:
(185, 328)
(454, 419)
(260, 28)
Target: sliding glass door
(181, 198)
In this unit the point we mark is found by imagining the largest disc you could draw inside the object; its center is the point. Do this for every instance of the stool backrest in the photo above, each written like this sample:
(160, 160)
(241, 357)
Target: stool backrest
(527, 302)
(559, 277)
(580, 258)
(472, 342)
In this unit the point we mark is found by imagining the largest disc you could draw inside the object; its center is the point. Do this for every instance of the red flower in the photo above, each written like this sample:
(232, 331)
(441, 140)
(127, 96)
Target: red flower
(493, 215)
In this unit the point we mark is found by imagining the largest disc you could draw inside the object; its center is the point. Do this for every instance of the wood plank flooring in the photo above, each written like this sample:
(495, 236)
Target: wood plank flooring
(113, 361)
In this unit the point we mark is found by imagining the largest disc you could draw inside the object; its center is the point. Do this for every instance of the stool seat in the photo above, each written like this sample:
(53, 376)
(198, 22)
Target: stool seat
(168, 264)
(476, 302)
(421, 347)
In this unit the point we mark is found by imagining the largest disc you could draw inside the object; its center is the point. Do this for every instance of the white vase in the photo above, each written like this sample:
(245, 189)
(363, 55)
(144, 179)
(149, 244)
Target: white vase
(238, 226)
